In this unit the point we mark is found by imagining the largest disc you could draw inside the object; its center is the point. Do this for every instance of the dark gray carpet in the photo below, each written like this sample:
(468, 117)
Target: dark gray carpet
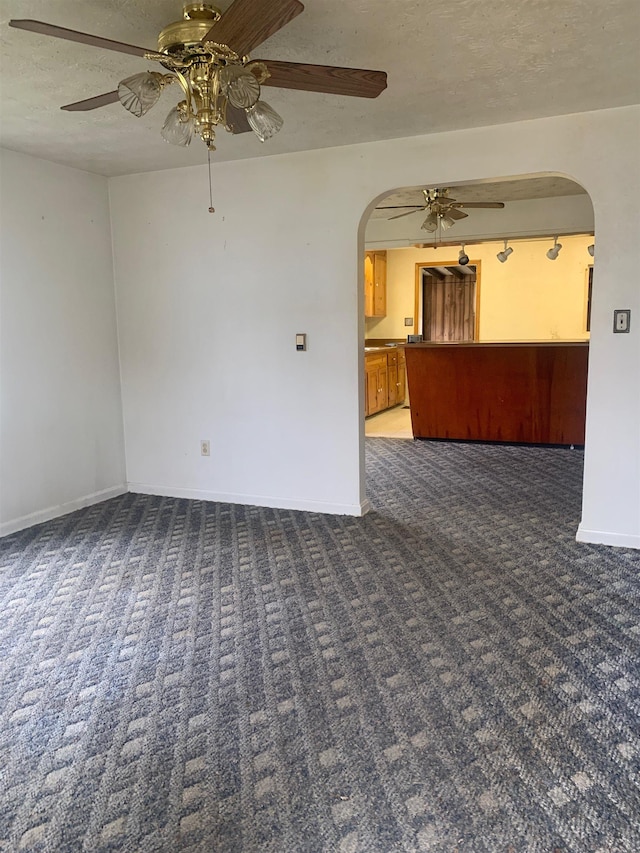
(451, 673)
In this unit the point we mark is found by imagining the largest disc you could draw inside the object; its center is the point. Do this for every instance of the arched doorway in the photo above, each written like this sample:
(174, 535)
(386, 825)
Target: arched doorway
(507, 231)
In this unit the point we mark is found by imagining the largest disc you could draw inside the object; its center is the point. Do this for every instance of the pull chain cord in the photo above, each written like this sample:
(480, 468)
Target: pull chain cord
(211, 207)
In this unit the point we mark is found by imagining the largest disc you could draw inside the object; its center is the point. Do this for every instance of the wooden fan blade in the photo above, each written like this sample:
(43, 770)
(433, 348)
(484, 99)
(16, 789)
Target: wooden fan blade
(247, 23)
(489, 205)
(83, 38)
(408, 213)
(454, 213)
(237, 119)
(357, 82)
(401, 207)
(92, 103)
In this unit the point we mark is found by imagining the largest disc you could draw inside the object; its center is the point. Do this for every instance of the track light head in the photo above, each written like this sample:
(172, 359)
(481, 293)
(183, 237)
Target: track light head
(553, 253)
(504, 254)
(463, 258)
(591, 249)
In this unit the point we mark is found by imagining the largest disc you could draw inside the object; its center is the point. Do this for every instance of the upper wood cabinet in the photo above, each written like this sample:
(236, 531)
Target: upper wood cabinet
(375, 284)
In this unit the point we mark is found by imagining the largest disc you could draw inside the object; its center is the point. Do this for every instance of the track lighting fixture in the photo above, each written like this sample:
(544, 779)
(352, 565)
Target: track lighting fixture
(504, 254)
(463, 258)
(553, 253)
(591, 249)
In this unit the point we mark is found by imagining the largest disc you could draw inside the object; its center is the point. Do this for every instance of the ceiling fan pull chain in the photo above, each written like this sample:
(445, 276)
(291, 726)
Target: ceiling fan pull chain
(211, 207)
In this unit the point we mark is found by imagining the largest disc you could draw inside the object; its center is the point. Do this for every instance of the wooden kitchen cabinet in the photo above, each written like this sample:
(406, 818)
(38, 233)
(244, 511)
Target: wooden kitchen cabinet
(392, 379)
(376, 377)
(375, 284)
(385, 379)
(402, 376)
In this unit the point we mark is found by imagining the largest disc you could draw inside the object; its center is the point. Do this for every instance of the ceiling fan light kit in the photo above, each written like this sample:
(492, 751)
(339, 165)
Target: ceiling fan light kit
(264, 120)
(139, 93)
(213, 78)
(178, 128)
(431, 223)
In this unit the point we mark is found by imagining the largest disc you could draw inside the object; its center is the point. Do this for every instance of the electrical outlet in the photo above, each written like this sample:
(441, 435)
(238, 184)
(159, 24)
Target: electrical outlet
(205, 448)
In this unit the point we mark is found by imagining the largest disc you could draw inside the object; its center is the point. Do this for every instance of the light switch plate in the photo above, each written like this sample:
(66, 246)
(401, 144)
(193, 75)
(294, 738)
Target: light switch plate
(408, 321)
(621, 321)
(301, 342)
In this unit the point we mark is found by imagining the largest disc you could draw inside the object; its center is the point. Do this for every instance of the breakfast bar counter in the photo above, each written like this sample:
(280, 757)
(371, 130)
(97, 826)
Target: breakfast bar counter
(530, 392)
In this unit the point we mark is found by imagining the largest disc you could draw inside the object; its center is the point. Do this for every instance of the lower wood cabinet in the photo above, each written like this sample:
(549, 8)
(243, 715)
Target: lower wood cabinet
(385, 379)
(377, 383)
(396, 377)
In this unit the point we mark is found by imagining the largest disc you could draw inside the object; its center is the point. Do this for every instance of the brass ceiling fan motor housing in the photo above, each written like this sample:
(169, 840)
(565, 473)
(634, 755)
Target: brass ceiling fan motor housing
(198, 18)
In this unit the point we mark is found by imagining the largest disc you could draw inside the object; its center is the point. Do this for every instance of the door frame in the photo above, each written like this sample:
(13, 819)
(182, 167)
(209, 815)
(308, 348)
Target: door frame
(417, 305)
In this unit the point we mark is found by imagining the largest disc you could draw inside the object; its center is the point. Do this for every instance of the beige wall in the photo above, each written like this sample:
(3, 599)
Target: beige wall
(527, 298)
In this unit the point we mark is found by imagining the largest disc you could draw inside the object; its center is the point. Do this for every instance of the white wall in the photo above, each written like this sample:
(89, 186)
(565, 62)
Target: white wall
(209, 306)
(61, 436)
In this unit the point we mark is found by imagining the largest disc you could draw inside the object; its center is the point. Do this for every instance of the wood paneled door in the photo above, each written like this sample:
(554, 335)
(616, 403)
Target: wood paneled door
(447, 298)
(448, 306)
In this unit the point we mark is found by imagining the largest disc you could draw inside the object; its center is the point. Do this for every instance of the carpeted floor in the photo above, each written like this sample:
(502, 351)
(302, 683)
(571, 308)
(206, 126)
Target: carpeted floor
(450, 673)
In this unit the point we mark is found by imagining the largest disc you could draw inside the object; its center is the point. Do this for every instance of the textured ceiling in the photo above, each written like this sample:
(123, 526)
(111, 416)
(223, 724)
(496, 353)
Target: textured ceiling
(462, 63)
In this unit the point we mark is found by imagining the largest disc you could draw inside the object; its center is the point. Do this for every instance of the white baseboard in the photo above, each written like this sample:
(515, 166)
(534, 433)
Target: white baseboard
(251, 500)
(9, 527)
(602, 537)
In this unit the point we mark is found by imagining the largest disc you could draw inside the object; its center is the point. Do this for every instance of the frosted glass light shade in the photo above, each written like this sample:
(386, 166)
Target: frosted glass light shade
(446, 222)
(140, 92)
(239, 86)
(176, 130)
(430, 223)
(264, 120)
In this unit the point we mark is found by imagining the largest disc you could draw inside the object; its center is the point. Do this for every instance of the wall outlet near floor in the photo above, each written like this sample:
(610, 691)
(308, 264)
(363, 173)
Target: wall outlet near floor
(205, 448)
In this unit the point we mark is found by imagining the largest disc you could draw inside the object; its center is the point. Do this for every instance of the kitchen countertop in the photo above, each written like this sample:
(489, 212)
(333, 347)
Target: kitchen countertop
(462, 344)
(383, 348)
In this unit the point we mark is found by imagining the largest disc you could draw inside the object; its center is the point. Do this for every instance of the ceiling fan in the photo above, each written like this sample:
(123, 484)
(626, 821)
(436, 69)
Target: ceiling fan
(443, 210)
(206, 53)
